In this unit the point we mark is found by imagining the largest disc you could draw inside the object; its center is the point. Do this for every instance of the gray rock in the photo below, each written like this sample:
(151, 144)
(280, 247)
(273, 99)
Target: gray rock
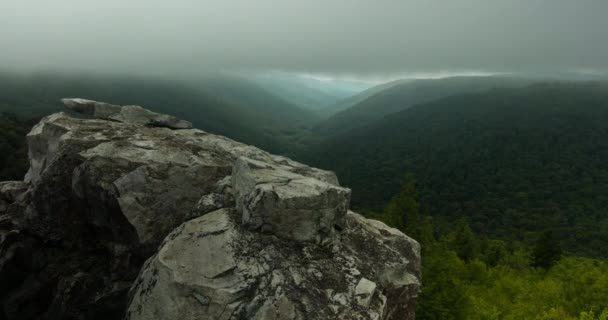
(128, 114)
(11, 192)
(302, 169)
(43, 142)
(286, 203)
(98, 110)
(211, 202)
(199, 248)
(139, 115)
(391, 256)
(364, 292)
(243, 234)
(209, 268)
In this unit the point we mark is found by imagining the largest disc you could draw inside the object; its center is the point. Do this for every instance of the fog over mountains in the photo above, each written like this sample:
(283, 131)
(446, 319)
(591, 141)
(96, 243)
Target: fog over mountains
(318, 36)
(470, 135)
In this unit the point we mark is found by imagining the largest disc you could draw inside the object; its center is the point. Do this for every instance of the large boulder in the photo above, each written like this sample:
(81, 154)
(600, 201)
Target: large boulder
(210, 268)
(105, 188)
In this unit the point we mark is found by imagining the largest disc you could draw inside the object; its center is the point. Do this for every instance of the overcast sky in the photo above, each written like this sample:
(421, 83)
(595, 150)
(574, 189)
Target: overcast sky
(314, 36)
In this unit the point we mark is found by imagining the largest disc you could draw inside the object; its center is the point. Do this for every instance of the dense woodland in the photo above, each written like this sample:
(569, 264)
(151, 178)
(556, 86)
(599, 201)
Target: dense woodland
(506, 188)
(514, 162)
(470, 277)
(375, 103)
(230, 106)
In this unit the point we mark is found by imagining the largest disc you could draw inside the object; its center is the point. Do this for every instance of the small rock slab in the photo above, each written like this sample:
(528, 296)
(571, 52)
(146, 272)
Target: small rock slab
(364, 292)
(287, 204)
(127, 114)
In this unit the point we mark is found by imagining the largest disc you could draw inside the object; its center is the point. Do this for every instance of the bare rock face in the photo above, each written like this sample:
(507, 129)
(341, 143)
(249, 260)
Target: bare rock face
(128, 114)
(274, 200)
(228, 230)
(211, 268)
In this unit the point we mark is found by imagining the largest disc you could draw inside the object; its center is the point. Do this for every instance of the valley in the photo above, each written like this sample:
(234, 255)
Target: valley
(477, 169)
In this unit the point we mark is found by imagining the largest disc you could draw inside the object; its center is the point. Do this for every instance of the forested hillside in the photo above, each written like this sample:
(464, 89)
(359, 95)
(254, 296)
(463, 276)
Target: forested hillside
(354, 100)
(399, 95)
(470, 277)
(223, 105)
(513, 161)
(320, 96)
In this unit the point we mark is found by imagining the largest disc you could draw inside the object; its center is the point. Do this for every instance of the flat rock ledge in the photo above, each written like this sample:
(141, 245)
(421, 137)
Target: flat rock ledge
(130, 214)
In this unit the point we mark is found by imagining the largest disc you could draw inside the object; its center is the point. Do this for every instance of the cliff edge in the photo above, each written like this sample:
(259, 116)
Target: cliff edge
(126, 213)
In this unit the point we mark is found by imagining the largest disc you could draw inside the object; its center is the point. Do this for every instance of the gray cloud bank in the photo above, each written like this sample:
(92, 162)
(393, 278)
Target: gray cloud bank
(330, 36)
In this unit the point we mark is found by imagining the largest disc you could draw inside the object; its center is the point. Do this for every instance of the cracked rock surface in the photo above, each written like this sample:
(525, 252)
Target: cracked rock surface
(128, 213)
(213, 268)
(292, 206)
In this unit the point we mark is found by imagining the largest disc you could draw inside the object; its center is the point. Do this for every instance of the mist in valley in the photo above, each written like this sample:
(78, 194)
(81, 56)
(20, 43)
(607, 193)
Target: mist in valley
(477, 128)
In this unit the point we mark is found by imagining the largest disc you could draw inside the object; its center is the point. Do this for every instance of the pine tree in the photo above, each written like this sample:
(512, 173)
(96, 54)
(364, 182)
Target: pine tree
(547, 251)
(464, 241)
(402, 213)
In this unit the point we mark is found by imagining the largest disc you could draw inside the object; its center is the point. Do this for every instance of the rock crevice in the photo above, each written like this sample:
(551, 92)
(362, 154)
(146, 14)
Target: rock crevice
(126, 213)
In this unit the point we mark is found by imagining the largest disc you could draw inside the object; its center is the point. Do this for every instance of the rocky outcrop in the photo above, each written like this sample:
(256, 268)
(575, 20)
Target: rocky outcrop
(127, 212)
(211, 268)
(129, 114)
(287, 204)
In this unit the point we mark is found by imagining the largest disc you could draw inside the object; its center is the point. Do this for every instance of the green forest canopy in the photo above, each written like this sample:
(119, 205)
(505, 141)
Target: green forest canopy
(513, 161)
(473, 278)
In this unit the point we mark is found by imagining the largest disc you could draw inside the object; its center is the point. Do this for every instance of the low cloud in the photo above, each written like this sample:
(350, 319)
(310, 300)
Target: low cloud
(355, 37)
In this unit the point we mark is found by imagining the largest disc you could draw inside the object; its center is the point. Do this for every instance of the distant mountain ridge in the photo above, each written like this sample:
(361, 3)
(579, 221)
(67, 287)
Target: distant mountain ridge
(377, 102)
(353, 100)
(229, 106)
(321, 96)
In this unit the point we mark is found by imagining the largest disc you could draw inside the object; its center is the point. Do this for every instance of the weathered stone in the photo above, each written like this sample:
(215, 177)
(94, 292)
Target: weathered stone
(209, 268)
(12, 191)
(364, 292)
(398, 275)
(139, 115)
(43, 142)
(199, 248)
(211, 202)
(286, 203)
(98, 110)
(302, 169)
(250, 235)
(128, 114)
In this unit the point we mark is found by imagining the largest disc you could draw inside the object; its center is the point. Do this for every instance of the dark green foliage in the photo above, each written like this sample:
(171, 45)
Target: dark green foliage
(463, 242)
(402, 210)
(547, 251)
(402, 213)
(13, 149)
(492, 252)
(375, 103)
(513, 161)
(443, 293)
(224, 105)
(466, 277)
